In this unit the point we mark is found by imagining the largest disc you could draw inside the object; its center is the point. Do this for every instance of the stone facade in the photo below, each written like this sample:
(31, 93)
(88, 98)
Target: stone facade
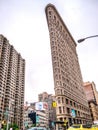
(68, 83)
(92, 97)
(49, 98)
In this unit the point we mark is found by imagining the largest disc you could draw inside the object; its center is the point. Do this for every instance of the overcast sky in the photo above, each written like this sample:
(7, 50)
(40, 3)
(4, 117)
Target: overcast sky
(23, 23)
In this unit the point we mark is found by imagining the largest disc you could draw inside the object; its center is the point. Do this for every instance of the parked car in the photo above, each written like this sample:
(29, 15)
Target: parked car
(37, 128)
(80, 127)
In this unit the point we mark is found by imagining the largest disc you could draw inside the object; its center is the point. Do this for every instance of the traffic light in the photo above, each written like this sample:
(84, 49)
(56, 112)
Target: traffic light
(54, 104)
(32, 116)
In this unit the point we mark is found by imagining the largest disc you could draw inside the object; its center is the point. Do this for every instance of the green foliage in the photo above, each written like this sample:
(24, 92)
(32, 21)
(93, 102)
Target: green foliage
(27, 126)
(33, 125)
(4, 127)
(13, 126)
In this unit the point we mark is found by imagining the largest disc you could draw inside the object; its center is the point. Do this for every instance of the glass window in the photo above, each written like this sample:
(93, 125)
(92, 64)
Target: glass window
(60, 111)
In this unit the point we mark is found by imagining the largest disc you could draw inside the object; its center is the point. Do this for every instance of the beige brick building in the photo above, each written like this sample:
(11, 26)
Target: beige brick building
(41, 116)
(49, 98)
(71, 100)
(12, 76)
(92, 97)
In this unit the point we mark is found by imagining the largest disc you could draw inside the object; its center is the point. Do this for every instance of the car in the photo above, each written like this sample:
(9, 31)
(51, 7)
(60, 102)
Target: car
(80, 127)
(37, 128)
(95, 127)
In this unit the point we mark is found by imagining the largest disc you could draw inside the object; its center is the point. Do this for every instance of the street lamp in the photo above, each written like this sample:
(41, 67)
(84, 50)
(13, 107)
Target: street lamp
(82, 39)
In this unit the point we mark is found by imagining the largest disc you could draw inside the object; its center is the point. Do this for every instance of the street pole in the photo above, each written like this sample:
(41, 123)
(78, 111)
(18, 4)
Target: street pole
(8, 116)
(82, 39)
(7, 122)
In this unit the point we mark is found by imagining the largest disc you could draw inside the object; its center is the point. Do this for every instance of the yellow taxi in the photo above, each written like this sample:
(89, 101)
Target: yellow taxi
(95, 127)
(80, 127)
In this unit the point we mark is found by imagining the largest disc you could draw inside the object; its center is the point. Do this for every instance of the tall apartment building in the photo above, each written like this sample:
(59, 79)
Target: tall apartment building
(71, 100)
(12, 81)
(92, 97)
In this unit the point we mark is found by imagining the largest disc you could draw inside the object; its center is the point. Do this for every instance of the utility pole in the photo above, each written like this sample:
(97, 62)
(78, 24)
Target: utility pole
(8, 115)
(7, 120)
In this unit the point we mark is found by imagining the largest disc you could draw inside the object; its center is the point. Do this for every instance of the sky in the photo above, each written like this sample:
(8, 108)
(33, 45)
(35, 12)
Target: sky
(24, 24)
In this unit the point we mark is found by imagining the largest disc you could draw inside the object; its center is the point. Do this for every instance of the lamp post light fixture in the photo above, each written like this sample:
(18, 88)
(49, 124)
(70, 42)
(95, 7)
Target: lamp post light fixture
(82, 39)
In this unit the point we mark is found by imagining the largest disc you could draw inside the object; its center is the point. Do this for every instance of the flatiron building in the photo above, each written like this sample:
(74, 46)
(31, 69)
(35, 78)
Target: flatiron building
(12, 81)
(72, 105)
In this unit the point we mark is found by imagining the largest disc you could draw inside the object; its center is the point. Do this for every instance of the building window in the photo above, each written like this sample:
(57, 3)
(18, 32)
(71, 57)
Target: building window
(50, 12)
(61, 119)
(68, 110)
(74, 104)
(54, 17)
(62, 99)
(63, 109)
(59, 100)
(71, 103)
(60, 111)
(66, 101)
